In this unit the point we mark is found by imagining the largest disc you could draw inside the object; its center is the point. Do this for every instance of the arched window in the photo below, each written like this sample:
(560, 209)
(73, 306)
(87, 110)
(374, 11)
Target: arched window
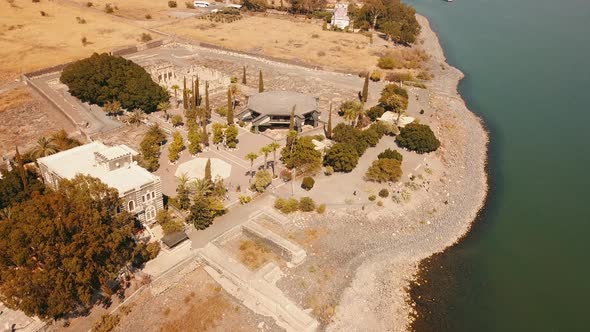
(131, 206)
(150, 212)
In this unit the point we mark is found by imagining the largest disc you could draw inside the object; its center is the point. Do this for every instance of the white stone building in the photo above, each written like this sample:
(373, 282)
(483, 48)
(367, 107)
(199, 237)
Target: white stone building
(340, 18)
(139, 190)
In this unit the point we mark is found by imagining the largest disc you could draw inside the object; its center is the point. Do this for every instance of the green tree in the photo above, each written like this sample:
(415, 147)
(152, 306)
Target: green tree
(383, 170)
(365, 93)
(292, 119)
(175, 147)
(417, 137)
(262, 180)
(260, 82)
(244, 76)
(168, 222)
(302, 156)
(218, 132)
(329, 130)
(251, 157)
(230, 108)
(307, 183)
(197, 94)
(44, 147)
(182, 192)
(136, 116)
(274, 146)
(102, 78)
(150, 148)
(205, 135)
(164, 107)
(17, 185)
(231, 136)
(394, 98)
(351, 110)
(265, 151)
(59, 248)
(61, 140)
(342, 157)
(208, 170)
(194, 140)
(207, 106)
(390, 154)
(200, 213)
(254, 5)
(375, 112)
(184, 94)
(175, 88)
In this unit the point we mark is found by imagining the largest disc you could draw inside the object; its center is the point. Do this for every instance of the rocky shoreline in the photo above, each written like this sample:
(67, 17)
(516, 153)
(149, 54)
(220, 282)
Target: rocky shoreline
(377, 298)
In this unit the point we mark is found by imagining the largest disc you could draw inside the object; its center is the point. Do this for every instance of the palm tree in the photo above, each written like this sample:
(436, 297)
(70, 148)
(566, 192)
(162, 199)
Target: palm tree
(251, 156)
(44, 147)
(202, 187)
(175, 88)
(274, 146)
(136, 116)
(112, 107)
(164, 107)
(353, 111)
(265, 151)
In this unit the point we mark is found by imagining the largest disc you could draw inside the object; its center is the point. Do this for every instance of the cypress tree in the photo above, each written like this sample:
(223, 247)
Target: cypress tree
(329, 130)
(365, 93)
(207, 109)
(205, 136)
(244, 76)
(230, 108)
(197, 93)
(208, 170)
(191, 104)
(184, 95)
(260, 82)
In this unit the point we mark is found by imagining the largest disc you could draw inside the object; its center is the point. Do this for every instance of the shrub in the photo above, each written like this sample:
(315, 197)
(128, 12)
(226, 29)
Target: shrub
(286, 206)
(328, 170)
(245, 199)
(394, 98)
(176, 120)
(390, 154)
(342, 157)
(321, 208)
(172, 4)
(307, 183)
(418, 137)
(254, 5)
(89, 4)
(387, 62)
(145, 37)
(372, 197)
(380, 203)
(286, 175)
(400, 77)
(190, 5)
(106, 323)
(306, 204)
(383, 170)
(375, 75)
(222, 110)
(80, 20)
(241, 123)
(233, 80)
(371, 136)
(44, 14)
(84, 41)
(383, 193)
(153, 249)
(262, 180)
(108, 8)
(375, 112)
(148, 16)
(36, 1)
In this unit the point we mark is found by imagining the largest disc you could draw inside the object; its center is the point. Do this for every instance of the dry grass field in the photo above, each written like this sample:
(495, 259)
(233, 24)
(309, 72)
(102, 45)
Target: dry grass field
(30, 41)
(138, 9)
(286, 38)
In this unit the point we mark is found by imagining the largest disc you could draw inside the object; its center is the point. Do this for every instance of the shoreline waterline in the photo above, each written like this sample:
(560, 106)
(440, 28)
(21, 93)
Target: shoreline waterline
(464, 184)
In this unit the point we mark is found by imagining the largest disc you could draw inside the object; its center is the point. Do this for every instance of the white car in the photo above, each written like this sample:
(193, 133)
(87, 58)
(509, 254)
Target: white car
(201, 4)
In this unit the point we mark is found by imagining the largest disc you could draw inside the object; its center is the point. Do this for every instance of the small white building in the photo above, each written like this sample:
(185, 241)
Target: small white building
(139, 190)
(340, 18)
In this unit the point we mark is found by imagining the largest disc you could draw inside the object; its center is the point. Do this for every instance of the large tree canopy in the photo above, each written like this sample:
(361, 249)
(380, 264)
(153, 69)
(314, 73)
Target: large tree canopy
(391, 17)
(104, 78)
(60, 248)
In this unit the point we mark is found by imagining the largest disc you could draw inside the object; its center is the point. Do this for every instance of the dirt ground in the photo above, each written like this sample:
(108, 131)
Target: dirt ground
(25, 118)
(284, 37)
(30, 41)
(195, 303)
(130, 135)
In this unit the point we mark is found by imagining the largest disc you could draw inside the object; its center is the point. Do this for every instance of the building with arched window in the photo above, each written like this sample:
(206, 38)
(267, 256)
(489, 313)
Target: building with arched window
(140, 191)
